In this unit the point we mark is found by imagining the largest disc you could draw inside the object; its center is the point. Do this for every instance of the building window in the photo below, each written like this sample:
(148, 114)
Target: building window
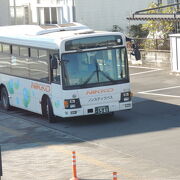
(48, 15)
(54, 15)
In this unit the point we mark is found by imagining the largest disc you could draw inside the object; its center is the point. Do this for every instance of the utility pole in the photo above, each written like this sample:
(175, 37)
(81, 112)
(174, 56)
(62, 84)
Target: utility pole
(15, 16)
(177, 1)
(177, 24)
(159, 2)
(74, 10)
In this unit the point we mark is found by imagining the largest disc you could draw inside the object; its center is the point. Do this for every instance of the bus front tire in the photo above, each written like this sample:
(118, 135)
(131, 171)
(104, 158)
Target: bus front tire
(5, 99)
(47, 110)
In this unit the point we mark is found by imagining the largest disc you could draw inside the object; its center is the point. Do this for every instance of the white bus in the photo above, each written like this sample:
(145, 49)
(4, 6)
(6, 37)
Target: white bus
(66, 71)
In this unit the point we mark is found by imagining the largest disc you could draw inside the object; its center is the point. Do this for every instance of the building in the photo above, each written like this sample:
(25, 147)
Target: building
(4, 13)
(41, 11)
(97, 14)
(103, 14)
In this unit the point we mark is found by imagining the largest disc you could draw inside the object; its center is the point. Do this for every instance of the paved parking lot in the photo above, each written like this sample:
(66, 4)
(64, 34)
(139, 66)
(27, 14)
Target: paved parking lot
(140, 144)
(157, 84)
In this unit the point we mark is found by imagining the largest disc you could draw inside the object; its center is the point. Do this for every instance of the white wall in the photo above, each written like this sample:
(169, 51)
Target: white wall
(103, 14)
(4, 13)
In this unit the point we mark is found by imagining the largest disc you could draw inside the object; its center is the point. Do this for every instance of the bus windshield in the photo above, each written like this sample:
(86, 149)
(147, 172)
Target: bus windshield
(93, 68)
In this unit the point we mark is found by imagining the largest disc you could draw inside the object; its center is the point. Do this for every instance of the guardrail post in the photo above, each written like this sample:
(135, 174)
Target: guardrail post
(74, 171)
(0, 164)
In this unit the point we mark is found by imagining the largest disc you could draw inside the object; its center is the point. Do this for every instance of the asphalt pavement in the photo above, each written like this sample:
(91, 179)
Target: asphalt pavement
(140, 144)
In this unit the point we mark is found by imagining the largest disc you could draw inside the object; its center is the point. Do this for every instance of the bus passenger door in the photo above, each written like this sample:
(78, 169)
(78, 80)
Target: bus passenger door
(56, 88)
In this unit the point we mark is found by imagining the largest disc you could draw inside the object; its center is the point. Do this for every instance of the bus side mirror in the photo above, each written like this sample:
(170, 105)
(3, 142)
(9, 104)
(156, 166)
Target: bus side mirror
(54, 62)
(136, 52)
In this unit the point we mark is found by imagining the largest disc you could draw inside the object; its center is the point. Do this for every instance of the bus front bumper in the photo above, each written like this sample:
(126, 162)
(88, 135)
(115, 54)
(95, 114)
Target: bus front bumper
(92, 109)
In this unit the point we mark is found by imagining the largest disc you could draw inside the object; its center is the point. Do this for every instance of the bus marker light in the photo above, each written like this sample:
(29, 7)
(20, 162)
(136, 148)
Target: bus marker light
(66, 104)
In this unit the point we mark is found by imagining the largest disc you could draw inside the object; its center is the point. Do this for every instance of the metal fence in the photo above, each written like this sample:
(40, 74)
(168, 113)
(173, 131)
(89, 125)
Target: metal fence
(154, 52)
(152, 44)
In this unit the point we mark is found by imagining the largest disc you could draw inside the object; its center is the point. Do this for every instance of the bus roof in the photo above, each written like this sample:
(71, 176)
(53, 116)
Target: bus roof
(45, 36)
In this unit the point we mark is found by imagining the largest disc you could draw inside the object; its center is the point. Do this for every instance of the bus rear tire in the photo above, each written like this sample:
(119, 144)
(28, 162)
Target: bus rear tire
(47, 110)
(5, 99)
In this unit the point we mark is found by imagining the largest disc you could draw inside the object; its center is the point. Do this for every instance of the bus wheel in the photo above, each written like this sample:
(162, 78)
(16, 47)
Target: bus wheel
(5, 99)
(47, 110)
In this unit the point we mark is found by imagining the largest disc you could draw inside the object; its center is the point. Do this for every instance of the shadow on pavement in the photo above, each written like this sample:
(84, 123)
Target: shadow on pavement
(146, 116)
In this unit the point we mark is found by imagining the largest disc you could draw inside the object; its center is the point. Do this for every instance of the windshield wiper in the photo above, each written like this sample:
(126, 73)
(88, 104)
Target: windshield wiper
(97, 71)
(89, 78)
(107, 76)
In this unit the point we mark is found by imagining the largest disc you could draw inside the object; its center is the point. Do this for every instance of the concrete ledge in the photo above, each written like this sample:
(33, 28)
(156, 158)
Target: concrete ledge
(157, 59)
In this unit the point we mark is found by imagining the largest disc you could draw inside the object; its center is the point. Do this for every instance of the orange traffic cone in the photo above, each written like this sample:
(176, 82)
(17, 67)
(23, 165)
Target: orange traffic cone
(74, 172)
(114, 175)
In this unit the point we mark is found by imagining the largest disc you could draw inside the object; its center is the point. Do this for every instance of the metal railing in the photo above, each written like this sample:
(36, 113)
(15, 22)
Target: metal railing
(151, 44)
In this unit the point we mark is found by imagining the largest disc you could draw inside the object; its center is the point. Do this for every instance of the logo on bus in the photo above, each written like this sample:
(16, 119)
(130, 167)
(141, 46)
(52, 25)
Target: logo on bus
(97, 99)
(40, 87)
(100, 91)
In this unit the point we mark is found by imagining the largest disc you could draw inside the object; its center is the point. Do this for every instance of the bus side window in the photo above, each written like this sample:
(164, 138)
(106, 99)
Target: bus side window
(33, 53)
(5, 59)
(43, 54)
(19, 62)
(24, 52)
(38, 67)
(6, 48)
(15, 50)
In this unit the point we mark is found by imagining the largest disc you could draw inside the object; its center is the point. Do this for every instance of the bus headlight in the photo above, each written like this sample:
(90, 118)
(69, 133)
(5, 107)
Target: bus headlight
(72, 103)
(125, 96)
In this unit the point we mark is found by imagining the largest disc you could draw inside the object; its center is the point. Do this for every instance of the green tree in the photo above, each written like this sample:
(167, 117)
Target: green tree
(136, 31)
(159, 29)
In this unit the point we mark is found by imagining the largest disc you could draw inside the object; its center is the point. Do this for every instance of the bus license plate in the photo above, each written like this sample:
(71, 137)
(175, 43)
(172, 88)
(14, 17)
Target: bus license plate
(102, 110)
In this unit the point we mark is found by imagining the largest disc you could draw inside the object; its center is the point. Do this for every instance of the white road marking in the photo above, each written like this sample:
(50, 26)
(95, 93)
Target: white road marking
(143, 67)
(145, 72)
(156, 94)
(150, 92)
